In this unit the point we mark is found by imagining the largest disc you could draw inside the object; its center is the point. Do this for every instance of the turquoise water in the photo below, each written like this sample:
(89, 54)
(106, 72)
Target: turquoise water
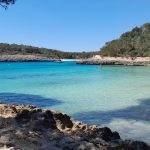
(115, 96)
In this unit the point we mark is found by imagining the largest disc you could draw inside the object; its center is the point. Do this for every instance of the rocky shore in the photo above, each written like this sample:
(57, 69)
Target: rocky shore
(97, 60)
(26, 58)
(26, 127)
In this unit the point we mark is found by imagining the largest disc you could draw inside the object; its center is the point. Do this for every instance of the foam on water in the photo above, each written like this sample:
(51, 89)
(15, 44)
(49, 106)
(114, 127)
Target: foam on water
(78, 90)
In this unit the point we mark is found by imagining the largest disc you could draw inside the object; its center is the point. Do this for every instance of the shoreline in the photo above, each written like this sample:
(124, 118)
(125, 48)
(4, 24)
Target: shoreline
(68, 60)
(30, 127)
(26, 58)
(95, 60)
(130, 61)
(32, 58)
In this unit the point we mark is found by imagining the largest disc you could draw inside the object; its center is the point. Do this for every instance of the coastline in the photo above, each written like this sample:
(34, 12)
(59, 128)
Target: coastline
(95, 60)
(130, 61)
(32, 58)
(30, 127)
(26, 58)
(67, 60)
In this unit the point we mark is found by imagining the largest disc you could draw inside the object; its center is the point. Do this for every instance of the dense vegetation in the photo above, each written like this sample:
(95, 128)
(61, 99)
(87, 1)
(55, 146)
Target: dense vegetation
(13, 49)
(5, 3)
(135, 43)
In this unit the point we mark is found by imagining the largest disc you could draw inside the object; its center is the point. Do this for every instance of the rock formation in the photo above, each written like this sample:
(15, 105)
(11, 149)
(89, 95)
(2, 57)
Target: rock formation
(138, 61)
(27, 58)
(26, 127)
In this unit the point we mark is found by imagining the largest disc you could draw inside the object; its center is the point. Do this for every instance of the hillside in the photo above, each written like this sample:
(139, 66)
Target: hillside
(14, 49)
(135, 43)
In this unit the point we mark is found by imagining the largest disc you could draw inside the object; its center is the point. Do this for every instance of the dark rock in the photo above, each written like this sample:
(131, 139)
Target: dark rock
(26, 127)
(63, 121)
(23, 116)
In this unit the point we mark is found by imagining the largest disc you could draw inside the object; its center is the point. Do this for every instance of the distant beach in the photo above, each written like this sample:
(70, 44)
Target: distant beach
(65, 60)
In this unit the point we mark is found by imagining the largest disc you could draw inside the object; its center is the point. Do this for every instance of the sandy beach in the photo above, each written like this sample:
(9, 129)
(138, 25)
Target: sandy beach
(66, 60)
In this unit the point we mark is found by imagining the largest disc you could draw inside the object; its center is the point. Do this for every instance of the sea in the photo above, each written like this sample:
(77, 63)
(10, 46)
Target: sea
(113, 96)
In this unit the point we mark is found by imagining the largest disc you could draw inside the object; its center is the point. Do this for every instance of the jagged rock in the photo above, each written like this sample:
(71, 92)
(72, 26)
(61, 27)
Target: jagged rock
(63, 121)
(24, 127)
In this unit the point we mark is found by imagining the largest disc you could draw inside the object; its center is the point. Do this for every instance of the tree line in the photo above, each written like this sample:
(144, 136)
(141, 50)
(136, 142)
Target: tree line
(131, 44)
(14, 49)
(5, 3)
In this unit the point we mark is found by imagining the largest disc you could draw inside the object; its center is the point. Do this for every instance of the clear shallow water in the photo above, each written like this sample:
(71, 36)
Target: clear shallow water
(115, 96)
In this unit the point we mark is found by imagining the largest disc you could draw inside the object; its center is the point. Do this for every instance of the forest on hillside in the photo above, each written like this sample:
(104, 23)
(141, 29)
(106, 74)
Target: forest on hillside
(14, 49)
(134, 43)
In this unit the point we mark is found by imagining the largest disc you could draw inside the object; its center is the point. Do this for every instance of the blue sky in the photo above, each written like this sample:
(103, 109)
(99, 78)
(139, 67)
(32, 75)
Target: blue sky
(71, 25)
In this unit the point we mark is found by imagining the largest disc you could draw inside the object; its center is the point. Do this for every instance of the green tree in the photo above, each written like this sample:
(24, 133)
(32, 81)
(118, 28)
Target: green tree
(134, 43)
(5, 3)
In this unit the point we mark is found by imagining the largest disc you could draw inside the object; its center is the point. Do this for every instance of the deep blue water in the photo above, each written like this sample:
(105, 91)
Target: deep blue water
(118, 97)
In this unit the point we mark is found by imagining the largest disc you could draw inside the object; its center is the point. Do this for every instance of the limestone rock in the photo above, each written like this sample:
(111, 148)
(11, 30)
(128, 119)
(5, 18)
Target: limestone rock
(26, 127)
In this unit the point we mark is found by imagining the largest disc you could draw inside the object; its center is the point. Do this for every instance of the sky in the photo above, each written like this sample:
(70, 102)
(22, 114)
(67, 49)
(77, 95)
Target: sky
(70, 25)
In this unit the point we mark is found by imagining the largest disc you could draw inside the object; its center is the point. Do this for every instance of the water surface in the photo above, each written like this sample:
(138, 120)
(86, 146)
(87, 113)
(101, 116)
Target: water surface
(115, 96)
